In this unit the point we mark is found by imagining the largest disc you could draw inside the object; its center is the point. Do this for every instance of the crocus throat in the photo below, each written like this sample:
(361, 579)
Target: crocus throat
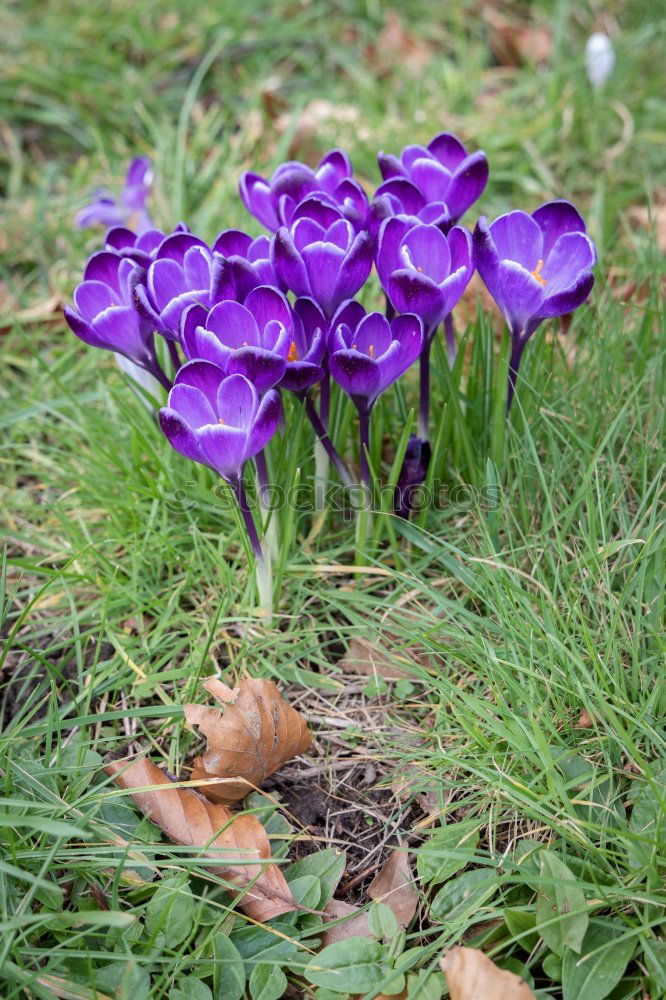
(536, 273)
(293, 352)
(371, 351)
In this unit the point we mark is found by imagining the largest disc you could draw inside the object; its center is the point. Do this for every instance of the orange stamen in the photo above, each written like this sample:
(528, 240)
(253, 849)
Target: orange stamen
(293, 352)
(371, 351)
(536, 273)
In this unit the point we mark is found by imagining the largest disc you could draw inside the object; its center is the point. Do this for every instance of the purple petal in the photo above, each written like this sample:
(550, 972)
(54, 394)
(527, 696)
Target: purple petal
(200, 344)
(333, 168)
(566, 301)
(448, 149)
(83, 330)
(101, 212)
(373, 335)
(554, 219)
(180, 435)
(120, 328)
(310, 315)
(196, 266)
(425, 249)
(408, 331)
(289, 265)
(411, 154)
(355, 269)
(192, 405)
(517, 237)
(431, 178)
(265, 424)
(356, 373)
(522, 295)
(232, 242)
(387, 256)
(467, 184)
(103, 266)
(223, 448)
(572, 254)
(166, 281)
(301, 375)
(121, 238)
(193, 316)
(258, 199)
(486, 259)
(412, 292)
(139, 172)
(263, 368)
(390, 166)
(349, 312)
(237, 402)
(406, 195)
(145, 307)
(92, 298)
(323, 262)
(234, 325)
(175, 246)
(319, 210)
(202, 375)
(266, 304)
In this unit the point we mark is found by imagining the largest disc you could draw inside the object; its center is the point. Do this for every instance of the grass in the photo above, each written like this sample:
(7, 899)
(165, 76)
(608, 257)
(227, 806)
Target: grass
(125, 576)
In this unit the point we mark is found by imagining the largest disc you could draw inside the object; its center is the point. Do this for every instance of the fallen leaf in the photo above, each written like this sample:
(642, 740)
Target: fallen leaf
(188, 818)
(366, 659)
(394, 886)
(355, 926)
(471, 975)
(396, 46)
(585, 721)
(252, 736)
(516, 41)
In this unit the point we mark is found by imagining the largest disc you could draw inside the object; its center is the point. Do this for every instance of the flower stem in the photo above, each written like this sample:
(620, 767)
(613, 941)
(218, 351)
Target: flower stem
(270, 520)
(424, 389)
(517, 345)
(364, 442)
(326, 442)
(450, 335)
(263, 571)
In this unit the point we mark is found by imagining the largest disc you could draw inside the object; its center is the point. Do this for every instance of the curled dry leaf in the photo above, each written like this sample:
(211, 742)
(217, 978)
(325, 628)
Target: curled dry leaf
(394, 886)
(356, 924)
(240, 842)
(252, 736)
(471, 975)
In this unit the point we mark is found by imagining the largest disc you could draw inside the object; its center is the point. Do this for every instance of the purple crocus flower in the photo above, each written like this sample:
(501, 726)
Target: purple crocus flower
(364, 360)
(246, 263)
(104, 315)
(423, 271)
(217, 419)
(321, 256)
(184, 272)
(130, 210)
(253, 339)
(274, 201)
(434, 184)
(140, 247)
(535, 267)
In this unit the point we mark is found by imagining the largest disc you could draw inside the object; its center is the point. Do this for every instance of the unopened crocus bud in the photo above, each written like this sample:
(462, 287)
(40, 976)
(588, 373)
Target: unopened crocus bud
(599, 59)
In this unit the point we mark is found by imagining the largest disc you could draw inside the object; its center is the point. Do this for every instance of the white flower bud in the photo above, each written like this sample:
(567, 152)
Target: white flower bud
(599, 59)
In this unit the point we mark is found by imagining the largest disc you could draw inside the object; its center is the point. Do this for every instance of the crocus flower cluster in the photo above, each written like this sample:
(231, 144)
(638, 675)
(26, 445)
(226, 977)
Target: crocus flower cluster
(227, 326)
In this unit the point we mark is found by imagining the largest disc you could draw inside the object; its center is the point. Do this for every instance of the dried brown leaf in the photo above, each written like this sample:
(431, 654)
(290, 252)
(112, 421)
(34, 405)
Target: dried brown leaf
(394, 886)
(253, 735)
(515, 41)
(355, 926)
(471, 975)
(240, 842)
(396, 46)
(585, 720)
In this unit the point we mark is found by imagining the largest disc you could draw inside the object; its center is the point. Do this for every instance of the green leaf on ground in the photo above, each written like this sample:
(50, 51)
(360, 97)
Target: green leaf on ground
(561, 910)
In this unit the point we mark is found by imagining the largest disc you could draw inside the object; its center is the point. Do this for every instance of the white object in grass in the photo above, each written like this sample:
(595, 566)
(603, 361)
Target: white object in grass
(599, 59)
